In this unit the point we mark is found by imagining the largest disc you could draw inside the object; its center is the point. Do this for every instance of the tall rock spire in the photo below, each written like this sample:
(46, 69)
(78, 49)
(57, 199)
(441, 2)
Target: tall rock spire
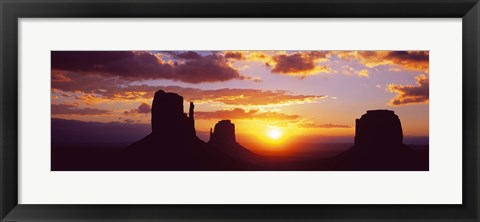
(211, 134)
(190, 112)
(191, 115)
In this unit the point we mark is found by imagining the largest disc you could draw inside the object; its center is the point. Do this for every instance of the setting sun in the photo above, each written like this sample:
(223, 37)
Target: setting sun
(274, 133)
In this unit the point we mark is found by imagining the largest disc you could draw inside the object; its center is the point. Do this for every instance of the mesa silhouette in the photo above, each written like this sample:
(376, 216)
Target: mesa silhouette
(173, 145)
(379, 145)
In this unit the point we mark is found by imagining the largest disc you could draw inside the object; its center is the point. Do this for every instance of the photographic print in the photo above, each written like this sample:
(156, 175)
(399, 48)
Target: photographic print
(241, 110)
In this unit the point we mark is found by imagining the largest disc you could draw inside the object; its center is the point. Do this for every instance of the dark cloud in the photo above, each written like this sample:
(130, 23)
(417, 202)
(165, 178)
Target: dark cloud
(189, 67)
(410, 94)
(302, 63)
(298, 63)
(67, 109)
(411, 60)
(234, 55)
(188, 55)
(87, 60)
(408, 56)
(142, 109)
(211, 68)
(242, 114)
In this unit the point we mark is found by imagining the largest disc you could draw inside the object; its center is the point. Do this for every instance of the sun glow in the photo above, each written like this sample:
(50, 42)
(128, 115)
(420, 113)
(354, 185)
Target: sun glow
(274, 133)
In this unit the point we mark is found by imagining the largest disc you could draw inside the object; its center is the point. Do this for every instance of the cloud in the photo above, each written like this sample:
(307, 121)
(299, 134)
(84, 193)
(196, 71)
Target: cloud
(219, 66)
(93, 90)
(188, 55)
(60, 77)
(320, 125)
(410, 60)
(73, 81)
(410, 94)
(238, 113)
(68, 109)
(129, 121)
(251, 56)
(242, 97)
(298, 64)
(394, 69)
(363, 73)
(350, 71)
(302, 63)
(190, 67)
(234, 55)
(142, 109)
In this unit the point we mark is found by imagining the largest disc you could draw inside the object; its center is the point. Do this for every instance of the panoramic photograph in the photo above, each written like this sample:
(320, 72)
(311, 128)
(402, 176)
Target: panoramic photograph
(240, 110)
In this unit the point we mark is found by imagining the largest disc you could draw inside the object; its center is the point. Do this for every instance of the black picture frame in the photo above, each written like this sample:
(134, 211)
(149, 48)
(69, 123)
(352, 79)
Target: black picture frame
(11, 11)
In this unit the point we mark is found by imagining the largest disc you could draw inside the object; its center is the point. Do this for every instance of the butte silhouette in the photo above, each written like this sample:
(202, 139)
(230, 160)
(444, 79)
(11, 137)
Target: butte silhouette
(173, 144)
(222, 139)
(379, 145)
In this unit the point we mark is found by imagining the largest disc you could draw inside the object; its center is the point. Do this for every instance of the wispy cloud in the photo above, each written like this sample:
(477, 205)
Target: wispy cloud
(410, 94)
(243, 114)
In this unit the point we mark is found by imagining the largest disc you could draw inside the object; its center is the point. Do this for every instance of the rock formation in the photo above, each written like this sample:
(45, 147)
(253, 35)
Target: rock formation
(172, 145)
(168, 118)
(379, 145)
(377, 128)
(224, 133)
(222, 139)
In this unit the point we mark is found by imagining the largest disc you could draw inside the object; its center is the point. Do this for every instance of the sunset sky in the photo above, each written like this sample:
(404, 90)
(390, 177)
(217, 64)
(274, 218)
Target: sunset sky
(271, 96)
